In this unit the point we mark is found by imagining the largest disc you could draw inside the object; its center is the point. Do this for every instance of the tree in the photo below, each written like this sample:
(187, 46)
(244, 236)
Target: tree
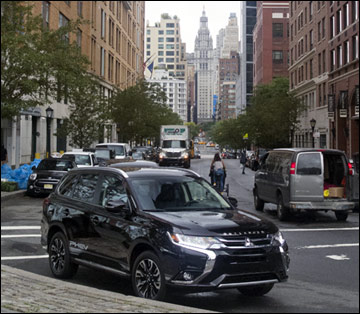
(37, 64)
(194, 129)
(140, 110)
(88, 115)
(273, 115)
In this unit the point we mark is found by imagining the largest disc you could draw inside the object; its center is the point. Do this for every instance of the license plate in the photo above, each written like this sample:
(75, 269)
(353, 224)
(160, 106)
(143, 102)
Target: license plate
(48, 186)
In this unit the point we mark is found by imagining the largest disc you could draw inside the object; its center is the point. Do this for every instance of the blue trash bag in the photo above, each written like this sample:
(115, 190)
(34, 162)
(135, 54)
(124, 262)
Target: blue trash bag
(5, 169)
(35, 163)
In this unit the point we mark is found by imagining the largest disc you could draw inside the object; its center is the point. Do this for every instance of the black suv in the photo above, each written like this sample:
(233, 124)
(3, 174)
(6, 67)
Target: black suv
(159, 227)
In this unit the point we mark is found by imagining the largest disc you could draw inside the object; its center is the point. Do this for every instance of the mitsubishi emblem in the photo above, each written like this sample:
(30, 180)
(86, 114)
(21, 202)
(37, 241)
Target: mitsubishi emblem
(248, 242)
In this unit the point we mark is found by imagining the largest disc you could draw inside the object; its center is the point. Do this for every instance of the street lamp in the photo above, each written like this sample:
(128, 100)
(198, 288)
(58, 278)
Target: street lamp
(312, 124)
(49, 116)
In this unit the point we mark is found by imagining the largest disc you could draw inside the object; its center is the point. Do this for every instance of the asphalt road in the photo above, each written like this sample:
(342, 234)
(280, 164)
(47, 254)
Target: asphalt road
(324, 269)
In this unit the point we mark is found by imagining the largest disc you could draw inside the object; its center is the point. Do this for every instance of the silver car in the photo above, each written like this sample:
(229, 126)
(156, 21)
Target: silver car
(306, 179)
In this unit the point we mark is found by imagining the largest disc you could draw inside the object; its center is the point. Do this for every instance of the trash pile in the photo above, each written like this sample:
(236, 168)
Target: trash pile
(19, 175)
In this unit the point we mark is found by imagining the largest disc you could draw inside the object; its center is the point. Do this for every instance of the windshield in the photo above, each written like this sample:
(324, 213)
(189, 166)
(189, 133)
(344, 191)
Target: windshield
(103, 154)
(177, 194)
(174, 144)
(59, 165)
(82, 160)
(119, 150)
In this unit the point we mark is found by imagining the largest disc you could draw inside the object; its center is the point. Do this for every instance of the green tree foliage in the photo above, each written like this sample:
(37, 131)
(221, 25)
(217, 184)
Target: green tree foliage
(88, 115)
(269, 122)
(140, 110)
(37, 64)
(194, 129)
(273, 115)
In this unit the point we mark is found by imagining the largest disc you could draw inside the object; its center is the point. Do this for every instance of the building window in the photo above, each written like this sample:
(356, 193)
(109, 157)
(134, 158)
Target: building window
(332, 60)
(79, 8)
(277, 30)
(45, 13)
(339, 22)
(354, 11)
(332, 27)
(346, 15)
(79, 38)
(102, 61)
(103, 23)
(346, 52)
(63, 21)
(339, 56)
(355, 47)
(277, 56)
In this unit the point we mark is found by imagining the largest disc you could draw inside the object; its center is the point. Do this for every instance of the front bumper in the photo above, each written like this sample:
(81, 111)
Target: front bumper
(173, 161)
(42, 186)
(229, 268)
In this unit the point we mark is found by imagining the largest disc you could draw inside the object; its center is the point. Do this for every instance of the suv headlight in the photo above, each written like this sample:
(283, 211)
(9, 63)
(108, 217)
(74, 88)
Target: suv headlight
(278, 239)
(162, 155)
(196, 242)
(33, 176)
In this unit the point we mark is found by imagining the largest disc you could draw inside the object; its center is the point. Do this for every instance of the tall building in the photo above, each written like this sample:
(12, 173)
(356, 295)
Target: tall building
(164, 46)
(248, 21)
(231, 37)
(175, 90)
(271, 41)
(204, 72)
(229, 69)
(324, 72)
(113, 41)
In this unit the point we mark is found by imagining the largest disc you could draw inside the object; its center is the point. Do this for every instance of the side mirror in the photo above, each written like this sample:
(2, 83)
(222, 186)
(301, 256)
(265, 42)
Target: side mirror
(233, 201)
(118, 207)
(33, 168)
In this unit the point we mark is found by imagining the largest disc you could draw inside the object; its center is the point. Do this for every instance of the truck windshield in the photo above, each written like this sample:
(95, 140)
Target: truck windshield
(174, 144)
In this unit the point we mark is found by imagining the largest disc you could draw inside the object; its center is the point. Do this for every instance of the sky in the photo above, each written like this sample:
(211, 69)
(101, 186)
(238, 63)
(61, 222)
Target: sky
(189, 13)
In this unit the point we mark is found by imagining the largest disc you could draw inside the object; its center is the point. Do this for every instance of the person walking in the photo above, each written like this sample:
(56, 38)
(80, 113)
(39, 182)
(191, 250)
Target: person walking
(218, 168)
(243, 160)
(4, 155)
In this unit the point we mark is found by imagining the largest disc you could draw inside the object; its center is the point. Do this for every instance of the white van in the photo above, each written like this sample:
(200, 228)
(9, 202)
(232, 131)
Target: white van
(82, 159)
(121, 150)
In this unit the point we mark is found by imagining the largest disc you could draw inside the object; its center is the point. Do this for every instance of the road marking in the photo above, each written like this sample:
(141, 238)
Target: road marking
(23, 257)
(338, 257)
(5, 228)
(321, 229)
(328, 246)
(21, 236)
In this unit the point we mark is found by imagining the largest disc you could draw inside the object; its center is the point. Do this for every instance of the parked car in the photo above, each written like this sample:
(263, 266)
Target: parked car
(47, 175)
(305, 179)
(82, 159)
(148, 151)
(138, 155)
(159, 227)
(122, 150)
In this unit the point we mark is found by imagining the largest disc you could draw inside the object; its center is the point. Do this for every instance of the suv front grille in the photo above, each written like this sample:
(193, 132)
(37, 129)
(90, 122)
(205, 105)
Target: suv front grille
(169, 154)
(253, 241)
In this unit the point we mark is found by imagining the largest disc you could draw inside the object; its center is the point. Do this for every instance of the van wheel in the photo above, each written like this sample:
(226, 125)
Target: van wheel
(147, 277)
(282, 211)
(341, 216)
(59, 257)
(258, 202)
(256, 291)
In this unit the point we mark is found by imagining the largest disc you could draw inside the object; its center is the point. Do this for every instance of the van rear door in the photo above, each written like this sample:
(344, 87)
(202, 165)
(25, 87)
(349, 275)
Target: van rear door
(307, 184)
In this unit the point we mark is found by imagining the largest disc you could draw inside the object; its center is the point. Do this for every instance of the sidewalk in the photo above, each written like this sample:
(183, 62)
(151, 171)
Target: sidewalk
(23, 291)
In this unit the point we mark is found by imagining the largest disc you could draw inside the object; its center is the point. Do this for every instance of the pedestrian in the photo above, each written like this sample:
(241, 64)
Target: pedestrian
(243, 160)
(218, 168)
(4, 155)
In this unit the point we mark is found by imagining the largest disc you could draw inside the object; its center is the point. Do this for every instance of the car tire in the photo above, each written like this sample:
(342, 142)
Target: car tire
(282, 211)
(256, 291)
(341, 216)
(258, 202)
(59, 257)
(147, 277)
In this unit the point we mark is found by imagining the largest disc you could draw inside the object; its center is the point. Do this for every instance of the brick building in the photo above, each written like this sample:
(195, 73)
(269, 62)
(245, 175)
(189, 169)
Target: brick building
(271, 41)
(114, 43)
(324, 72)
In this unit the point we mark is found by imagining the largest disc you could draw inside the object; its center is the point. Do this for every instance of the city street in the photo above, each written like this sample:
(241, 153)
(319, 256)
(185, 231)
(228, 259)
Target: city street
(324, 268)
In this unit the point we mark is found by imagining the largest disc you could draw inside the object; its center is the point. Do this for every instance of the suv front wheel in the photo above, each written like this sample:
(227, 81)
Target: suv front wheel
(148, 279)
(59, 257)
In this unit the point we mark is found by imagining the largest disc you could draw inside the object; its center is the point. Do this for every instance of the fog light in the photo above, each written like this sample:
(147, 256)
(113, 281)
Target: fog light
(187, 276)
(31, 187)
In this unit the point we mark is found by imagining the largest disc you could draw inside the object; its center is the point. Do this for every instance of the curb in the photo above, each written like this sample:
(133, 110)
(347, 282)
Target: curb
(10, 195)
(19, 298)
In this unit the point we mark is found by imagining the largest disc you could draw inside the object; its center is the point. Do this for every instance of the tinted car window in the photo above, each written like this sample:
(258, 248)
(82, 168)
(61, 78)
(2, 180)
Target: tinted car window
(112, 189)
(67, 186)
(56, 164)
(86, 187)
(309, 164)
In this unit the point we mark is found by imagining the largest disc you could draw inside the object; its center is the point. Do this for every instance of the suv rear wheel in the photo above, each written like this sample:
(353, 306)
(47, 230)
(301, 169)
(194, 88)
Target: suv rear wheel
(147, 277)
(59, 257)
(256, 291)
(341, 216)
(282, 211)
(259, 203)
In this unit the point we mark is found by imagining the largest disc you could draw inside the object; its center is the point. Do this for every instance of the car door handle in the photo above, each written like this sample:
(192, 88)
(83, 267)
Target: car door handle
(95, 220)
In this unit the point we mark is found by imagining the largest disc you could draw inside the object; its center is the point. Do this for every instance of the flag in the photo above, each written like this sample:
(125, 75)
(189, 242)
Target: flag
(151, 68)
(147, 60)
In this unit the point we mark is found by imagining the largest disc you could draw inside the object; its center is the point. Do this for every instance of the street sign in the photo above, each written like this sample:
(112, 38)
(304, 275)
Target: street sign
(246, 136)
